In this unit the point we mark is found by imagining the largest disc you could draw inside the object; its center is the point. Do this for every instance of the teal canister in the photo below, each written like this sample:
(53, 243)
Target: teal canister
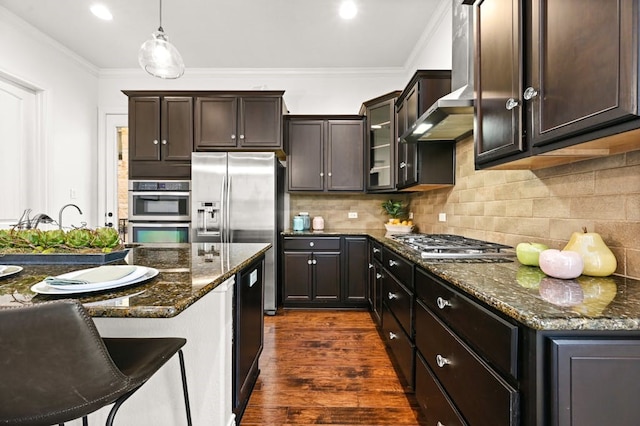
(298, 223)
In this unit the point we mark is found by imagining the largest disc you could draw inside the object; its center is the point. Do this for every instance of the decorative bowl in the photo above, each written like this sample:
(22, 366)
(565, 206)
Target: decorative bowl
(400, 229)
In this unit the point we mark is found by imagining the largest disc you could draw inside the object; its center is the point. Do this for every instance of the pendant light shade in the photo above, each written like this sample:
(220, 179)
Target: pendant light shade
(160, 58)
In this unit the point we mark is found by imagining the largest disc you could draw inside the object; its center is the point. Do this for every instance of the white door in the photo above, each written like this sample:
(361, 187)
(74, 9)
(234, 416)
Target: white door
(20, 168)
(113, 179)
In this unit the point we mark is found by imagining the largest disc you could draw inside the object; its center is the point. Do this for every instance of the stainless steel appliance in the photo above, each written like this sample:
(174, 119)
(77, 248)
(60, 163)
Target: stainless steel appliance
(159, 211)
(238, 197)
(448, 247)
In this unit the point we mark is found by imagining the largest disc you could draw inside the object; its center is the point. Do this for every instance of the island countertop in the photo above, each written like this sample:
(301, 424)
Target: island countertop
(186, 273)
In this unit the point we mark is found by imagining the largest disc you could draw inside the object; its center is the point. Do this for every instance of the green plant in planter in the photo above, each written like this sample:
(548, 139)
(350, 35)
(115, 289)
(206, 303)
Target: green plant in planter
(395, 209)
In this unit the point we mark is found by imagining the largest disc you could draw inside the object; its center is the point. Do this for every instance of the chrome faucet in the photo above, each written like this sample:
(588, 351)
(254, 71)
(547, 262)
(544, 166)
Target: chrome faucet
(62, 209)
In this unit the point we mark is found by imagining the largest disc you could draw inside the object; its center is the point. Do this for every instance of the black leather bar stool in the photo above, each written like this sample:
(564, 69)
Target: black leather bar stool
(55, 367)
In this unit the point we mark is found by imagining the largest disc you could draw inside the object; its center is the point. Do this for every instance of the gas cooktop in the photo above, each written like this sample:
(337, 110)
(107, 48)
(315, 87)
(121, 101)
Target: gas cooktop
(454, 247)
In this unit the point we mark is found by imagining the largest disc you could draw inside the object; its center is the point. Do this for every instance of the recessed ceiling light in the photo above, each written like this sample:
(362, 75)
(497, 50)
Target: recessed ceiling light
(348, 9)
(101, 12)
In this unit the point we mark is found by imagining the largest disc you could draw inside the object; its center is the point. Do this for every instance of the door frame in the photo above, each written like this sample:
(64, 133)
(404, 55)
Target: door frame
(107, 194)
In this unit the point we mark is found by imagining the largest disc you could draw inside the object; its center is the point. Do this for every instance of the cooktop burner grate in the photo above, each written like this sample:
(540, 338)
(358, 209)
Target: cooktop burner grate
(454, 247)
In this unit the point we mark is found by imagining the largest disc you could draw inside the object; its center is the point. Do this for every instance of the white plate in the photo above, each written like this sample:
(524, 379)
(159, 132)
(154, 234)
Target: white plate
(7, 270)
(44, 288)
(134, 275)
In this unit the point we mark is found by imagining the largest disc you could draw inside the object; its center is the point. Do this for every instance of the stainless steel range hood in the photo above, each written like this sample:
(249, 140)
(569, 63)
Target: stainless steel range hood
(451, 116)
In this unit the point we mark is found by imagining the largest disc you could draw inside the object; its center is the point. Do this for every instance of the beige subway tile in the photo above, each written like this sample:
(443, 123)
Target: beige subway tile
(609, 207)
(632, 158)
(633, 207)
(495, 208)
(632, 264)
(551, 207)
(519, 208)
(561, 229)
(619, 234)
(571, 185)
(519, 190)
(618, 181)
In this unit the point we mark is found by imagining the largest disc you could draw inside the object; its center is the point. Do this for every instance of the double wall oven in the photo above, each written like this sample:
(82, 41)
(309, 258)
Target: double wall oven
(159, 211)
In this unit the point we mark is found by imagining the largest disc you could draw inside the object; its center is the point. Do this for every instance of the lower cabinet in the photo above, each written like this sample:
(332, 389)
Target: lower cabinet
(247, 333)
(374, 292)
(324, 272)
(594, 381)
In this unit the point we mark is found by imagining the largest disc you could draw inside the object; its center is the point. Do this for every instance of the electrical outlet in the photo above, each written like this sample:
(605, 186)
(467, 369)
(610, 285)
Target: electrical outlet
(410, 215)
(442, 217)
(353, 215)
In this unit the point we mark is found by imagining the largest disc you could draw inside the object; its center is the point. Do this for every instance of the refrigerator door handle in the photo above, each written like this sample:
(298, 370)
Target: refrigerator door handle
(228, 212)
(223, 210)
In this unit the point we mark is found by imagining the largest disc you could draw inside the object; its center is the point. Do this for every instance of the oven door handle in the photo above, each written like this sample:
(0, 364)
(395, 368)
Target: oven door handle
(160, 193)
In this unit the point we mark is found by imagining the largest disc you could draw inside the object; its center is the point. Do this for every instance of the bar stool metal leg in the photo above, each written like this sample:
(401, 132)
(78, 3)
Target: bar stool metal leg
(183, 373)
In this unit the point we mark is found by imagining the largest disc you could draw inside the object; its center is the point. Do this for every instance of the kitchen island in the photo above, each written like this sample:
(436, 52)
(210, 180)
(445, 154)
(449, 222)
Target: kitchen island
(192, 297)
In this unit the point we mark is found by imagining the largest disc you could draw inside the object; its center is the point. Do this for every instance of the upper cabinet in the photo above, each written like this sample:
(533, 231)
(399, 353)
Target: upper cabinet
(249, 121)
(381, 142)
(419, 165)
(552, 90)
(160, 136)
(325, 153)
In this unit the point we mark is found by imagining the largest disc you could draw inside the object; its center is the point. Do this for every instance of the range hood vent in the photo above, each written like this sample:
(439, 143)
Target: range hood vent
(450, 118)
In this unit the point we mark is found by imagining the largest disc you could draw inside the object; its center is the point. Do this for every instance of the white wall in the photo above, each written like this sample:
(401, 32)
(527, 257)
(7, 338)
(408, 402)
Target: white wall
(78, 95)
(68, 88)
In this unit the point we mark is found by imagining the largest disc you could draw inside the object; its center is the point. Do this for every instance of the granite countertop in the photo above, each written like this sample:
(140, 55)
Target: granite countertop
(186, 273)
(526, 295)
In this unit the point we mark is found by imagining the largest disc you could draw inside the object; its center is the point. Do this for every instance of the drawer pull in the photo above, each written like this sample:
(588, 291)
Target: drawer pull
(392, 262)
(378, 276)
(314, 261)
(392, 335)
(442, 303)
(442, 361)
(309, 262)
(439, 424)
(376, 250)
(392, 296)
(311, 244)
(370, 266)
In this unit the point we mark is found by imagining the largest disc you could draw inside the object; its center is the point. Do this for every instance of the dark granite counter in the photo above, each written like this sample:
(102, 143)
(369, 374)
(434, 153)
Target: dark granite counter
(187, 273)
(525, 294)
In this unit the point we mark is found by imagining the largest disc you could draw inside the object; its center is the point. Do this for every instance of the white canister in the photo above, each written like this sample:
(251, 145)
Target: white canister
(318, 223)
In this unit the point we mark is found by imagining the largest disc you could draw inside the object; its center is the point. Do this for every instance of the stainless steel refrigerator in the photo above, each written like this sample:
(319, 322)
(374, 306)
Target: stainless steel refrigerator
(237, 197)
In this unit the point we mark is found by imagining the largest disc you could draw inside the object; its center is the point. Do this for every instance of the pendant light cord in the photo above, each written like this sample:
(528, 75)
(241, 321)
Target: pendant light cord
(160, 27)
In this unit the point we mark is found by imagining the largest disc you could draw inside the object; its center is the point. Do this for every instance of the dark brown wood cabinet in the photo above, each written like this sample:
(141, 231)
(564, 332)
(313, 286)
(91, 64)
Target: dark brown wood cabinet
(247, 121)
(594, 381)
(325, 154)
(355, 270)
(160, 136)
(375, 281)
(416, 168)
(381, 142)
(312, 271)
(547, 83)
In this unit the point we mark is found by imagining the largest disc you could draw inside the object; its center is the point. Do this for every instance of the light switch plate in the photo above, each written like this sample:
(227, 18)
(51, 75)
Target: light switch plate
(353, 215)
(442, 217)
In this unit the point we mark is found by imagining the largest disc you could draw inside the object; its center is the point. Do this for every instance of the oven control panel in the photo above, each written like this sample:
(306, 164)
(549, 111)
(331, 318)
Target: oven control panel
(152, 185)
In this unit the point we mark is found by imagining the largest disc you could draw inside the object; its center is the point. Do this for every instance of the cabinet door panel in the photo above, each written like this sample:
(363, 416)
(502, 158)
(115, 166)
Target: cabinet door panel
(345, 161)
(177, 128)
(260, 122)
(499, 77)
(327, 276)
(356, 269)
(304, 162)
(596, 382)
(216, 122)
(581, 68)
(297, 276)
(144, 122)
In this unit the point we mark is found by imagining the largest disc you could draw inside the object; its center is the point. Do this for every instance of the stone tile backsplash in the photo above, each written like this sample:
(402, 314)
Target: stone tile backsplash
(510, 206)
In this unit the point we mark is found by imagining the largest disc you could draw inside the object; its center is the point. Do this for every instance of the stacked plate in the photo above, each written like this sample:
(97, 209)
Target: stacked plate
(104, 277)
(7, 270)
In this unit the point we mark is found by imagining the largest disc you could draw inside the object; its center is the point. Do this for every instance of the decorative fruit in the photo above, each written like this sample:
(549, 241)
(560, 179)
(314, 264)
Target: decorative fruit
(529, 253)
(598, 260)
(529, 276)
(561, 292)
(561, 264)
(598, 294)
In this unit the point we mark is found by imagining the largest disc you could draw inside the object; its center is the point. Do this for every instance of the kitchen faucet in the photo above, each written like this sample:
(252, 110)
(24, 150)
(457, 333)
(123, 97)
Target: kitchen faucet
(62, 209)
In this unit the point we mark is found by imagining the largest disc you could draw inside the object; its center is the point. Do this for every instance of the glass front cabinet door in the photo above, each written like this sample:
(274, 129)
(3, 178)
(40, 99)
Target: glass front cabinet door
(381, 130)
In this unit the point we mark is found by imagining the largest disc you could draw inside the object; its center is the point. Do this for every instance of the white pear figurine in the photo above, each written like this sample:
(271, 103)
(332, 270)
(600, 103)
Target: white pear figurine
(598, 259)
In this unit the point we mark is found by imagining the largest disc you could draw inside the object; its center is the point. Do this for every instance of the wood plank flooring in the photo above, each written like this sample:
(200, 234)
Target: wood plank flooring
(327, 368)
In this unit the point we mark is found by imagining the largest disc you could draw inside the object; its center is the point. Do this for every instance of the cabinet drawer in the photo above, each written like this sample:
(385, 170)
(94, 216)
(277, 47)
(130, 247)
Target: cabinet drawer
(318, 243)
(399, 267)
(375, 251)
(495, 338)
(482, 397)
(399, 301)
(400, 346)
(436, 406)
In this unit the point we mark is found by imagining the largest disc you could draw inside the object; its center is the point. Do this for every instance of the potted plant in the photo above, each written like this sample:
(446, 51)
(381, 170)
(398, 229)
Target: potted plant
(395, 210)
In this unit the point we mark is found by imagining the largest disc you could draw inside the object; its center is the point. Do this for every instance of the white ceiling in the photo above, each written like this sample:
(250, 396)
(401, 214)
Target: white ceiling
(239, 33)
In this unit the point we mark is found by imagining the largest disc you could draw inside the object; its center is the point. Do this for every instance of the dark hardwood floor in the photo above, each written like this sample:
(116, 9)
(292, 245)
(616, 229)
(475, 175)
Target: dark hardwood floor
(327, 368)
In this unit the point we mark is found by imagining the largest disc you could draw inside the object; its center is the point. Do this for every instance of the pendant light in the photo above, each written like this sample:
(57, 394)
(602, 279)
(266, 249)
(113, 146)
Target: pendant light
(160, 58)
